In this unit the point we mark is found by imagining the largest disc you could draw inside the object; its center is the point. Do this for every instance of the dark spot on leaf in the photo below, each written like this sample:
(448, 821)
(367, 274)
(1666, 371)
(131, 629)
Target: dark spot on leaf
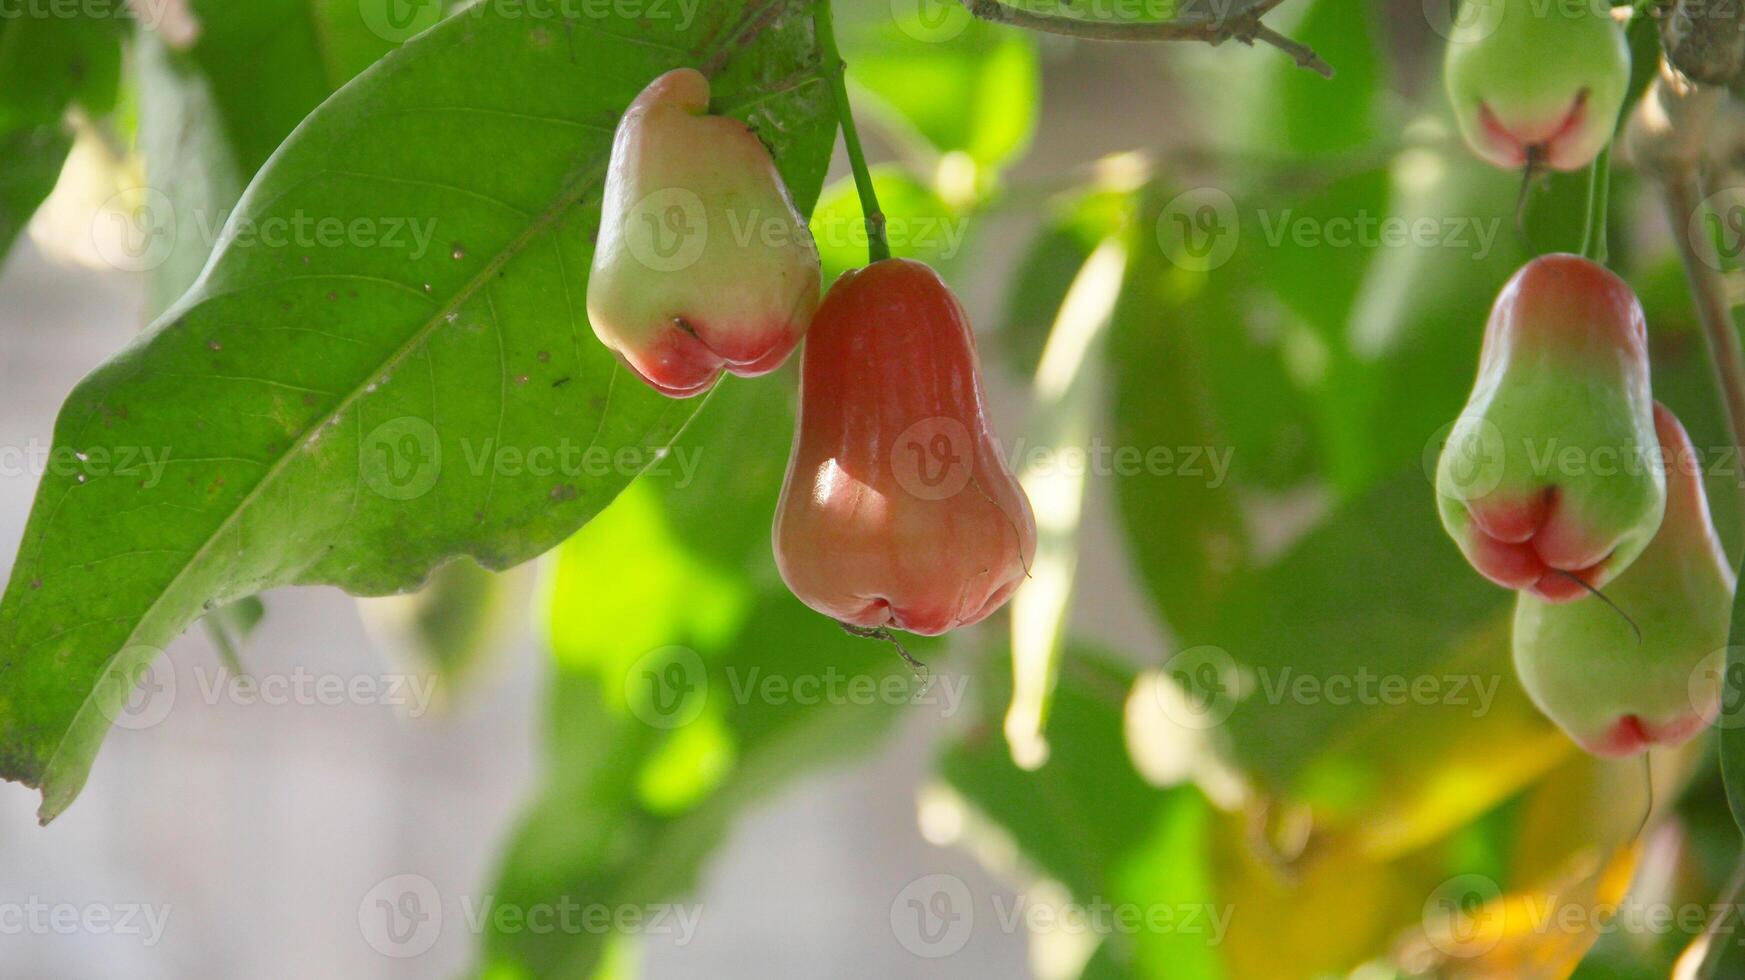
(544, 356)
(563, 491)
(559, 383)
(36, 583)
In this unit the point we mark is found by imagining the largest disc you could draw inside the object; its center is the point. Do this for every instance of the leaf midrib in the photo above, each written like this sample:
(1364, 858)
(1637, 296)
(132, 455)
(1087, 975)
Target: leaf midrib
(567, 198)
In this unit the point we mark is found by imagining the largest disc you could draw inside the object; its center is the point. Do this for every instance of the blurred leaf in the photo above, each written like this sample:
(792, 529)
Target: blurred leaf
(918, 224)
(955, 83)
(48, 62)
(1262, 104)
(354, 405)
(1088, 821)
(1314, 249)
(1055, 465)
(306, 48)
(230, 626)
(1050, 263)
(30, 160)
(1203, 396)
(674, 705)
(450, 628)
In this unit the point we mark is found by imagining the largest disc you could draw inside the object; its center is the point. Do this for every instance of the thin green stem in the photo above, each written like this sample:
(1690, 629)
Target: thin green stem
(877, 249)
(1599, 188)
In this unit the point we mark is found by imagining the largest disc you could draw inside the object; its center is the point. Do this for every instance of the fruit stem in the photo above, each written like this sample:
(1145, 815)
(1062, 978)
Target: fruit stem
(1713, 309)
(1599, 188)
(835, 70)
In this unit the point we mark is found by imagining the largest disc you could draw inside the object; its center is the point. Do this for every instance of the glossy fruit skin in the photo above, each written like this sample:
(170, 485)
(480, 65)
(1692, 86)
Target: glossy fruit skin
(1580, 662)
(703, 263)
(1550, 74)
(1553, 466)
(898, 509)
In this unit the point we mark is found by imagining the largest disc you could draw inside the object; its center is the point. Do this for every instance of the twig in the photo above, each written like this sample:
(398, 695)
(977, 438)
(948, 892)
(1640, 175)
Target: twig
(1713, 310)
(1212, 28)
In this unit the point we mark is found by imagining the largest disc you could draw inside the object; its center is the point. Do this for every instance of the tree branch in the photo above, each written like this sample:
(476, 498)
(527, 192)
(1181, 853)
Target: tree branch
(1241, 23)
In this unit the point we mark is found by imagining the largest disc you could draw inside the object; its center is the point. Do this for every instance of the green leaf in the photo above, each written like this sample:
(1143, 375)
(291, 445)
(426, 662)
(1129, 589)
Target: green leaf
(1300, 652)
(30, 160)
(1206, 400)
(356, 405)
(948, 81)
(230, 627)
(1087, 820)
(681, 666)
(48, 61)
(209, 120)
(1066, 419)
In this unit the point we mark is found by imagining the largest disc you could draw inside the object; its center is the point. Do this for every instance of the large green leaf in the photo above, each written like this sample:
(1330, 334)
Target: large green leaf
(688, 683)
(355, 405)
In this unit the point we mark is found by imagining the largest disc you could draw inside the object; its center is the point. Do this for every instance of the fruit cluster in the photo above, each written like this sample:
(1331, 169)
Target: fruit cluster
(898, 510)
(1562, 478)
